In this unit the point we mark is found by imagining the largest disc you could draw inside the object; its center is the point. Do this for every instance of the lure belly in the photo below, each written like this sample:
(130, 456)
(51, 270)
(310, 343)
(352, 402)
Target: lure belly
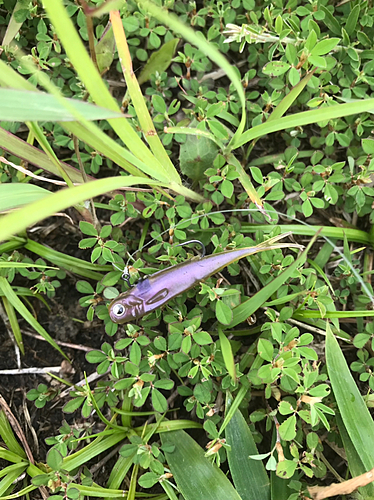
(157, 289)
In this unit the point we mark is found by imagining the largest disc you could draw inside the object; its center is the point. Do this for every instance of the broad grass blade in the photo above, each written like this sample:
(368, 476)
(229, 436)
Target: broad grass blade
(23, 106)
(92, 450)
(330, 232)
(13, 26)
(353, 410)
(18, 221)
(306, 118)
(196, 477)
(356, 467)
(249, 476)
(290, 98)
(91, 78)
(14, 195)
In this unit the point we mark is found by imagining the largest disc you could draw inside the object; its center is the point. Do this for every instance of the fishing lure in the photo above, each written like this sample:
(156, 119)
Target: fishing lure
(155, 290)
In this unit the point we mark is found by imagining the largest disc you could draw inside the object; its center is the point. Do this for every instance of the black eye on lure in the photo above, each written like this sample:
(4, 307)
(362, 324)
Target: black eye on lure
(154, 291)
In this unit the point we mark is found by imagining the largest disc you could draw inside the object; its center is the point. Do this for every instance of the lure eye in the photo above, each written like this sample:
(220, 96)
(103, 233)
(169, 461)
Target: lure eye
(118, 310)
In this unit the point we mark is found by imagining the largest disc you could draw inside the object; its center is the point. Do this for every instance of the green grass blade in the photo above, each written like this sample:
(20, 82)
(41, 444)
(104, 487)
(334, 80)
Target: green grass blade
(25, 313)
(353, 410)
(137, 99)
(97, 491)
(338, 233)
(227, 354)
(244, 310)
(306, 118)
(68, 262)
(13, 26)
(290, 98)
(194, 131)
(356, 467)
(23, 106)
(334, 314)
(14, 195)
(31, 154)
(208, 49)
(119, 471)
(9, 309)
(196, 477)
(233, 405)
(7, 435)
(37, 133)
(99, 445)
(249, 476)
(89, 75)
(246, 182)
(12, 473)
(18, 221)
(20, 493)
(91, 134)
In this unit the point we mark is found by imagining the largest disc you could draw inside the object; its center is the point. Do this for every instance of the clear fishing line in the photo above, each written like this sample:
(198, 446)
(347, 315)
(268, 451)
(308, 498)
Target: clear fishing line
(364, 286)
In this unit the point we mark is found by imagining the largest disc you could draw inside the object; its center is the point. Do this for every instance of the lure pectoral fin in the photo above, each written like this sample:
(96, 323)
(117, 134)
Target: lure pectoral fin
(154, 291)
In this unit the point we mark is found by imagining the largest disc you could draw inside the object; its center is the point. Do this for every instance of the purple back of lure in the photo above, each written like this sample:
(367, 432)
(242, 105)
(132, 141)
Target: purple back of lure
(154, 291)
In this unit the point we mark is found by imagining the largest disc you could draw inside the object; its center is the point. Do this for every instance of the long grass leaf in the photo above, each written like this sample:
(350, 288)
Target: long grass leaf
(89, 75)
(14, 26)
(91, 134)
(9, 309)
(92, 450)
(306, 118)
(23, 105)
(249, 476)
(33, 155)
(334, 314)
(11, 476)
(17, 194)
(25, 313)
(196, 477)
(353, 410)
(356, 467)
(7, 435)
(137, 98)
(18, 221)
(64, 260)
(355, 235)
(290, 98)
(37, 133)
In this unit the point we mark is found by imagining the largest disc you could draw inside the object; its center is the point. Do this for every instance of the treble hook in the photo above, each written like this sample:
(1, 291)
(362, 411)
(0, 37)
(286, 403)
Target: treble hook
(200, 243)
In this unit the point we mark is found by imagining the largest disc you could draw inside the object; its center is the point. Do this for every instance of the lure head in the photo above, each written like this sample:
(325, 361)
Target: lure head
(126, 307)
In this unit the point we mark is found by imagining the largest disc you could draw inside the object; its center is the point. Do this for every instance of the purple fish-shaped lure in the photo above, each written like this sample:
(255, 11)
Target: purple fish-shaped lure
(162, 286)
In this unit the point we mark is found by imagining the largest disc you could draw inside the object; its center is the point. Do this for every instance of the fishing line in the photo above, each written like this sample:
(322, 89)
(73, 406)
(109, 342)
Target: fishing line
(364, 286)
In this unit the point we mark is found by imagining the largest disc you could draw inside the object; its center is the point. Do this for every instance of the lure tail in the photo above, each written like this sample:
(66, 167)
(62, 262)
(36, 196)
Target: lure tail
(270, 244)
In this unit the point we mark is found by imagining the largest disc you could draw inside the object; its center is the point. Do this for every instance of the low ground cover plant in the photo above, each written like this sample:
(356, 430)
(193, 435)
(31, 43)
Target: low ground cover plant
(128, 129)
